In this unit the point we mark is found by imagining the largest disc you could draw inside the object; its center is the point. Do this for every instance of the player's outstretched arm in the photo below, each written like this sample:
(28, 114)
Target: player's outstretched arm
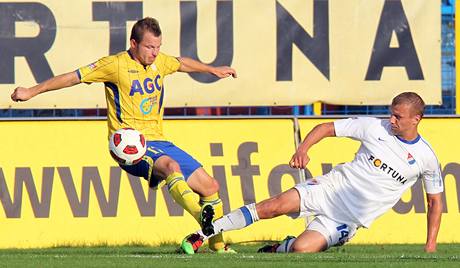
(57, 82)
(300, 158)
(433, 220)
(189, 65)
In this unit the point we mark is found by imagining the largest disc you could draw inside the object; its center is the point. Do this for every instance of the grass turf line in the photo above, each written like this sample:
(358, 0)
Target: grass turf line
(448, 255)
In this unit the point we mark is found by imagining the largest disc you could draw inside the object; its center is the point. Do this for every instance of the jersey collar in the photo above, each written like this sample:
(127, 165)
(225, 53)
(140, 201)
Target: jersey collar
(132, 57)
(409, 142)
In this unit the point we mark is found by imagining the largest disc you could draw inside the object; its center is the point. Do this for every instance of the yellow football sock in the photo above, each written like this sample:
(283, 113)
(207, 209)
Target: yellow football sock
(183, 195)
(215, 242)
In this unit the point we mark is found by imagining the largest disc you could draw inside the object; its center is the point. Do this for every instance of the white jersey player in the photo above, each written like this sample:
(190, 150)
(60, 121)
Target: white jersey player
(392, 157)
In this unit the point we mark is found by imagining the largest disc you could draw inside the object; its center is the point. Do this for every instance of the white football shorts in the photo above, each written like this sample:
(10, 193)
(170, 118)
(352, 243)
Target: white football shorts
(336, 234)
(321, 196)
(320, 199)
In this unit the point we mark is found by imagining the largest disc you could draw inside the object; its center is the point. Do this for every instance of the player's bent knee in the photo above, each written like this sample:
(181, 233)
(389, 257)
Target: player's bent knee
(210, 188)
(172, 166)
(215, 186)
(166, 166)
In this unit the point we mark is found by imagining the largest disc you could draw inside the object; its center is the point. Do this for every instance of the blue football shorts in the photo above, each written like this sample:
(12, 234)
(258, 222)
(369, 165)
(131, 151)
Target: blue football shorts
(156, 149)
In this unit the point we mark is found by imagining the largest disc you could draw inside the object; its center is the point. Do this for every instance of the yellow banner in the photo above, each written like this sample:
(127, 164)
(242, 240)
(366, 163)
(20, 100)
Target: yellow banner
(59, 185)
(285, 52)
(406, 222)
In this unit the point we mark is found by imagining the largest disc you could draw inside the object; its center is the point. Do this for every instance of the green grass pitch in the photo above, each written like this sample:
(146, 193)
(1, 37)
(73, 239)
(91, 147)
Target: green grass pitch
(448, 255)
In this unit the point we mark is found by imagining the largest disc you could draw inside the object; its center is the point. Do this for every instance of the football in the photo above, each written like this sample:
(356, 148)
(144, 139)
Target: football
(127, 146)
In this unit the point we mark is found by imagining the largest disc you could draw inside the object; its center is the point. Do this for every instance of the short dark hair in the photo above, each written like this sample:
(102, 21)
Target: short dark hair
(411, 98)
(145, 24)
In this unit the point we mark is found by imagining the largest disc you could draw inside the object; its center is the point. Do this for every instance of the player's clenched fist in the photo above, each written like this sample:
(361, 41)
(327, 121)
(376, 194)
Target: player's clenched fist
(224, 71)
(21, 94)
(299, 160)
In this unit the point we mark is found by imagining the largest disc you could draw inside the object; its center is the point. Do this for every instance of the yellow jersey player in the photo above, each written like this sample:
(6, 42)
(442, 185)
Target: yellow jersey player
(134, 93)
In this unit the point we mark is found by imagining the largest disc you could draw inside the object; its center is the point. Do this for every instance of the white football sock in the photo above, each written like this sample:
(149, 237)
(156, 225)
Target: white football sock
(234, 220)
(285, 246)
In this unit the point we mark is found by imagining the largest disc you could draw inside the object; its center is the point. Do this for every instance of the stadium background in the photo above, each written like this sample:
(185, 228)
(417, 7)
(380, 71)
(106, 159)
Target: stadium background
(59, 186)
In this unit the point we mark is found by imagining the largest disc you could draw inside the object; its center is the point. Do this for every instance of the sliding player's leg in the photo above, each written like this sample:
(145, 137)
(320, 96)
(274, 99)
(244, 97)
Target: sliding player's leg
(285, 203)
(321, 233)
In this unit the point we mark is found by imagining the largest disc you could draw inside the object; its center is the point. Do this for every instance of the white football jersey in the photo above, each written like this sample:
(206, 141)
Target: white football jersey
(384, 167)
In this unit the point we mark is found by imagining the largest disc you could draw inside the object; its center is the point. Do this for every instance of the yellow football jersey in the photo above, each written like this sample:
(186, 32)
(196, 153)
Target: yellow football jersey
(134, 94)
